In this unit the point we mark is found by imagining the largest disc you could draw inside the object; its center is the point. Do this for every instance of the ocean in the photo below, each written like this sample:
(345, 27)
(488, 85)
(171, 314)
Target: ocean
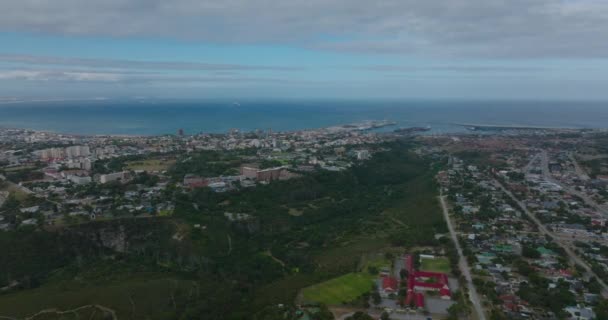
(167, 117)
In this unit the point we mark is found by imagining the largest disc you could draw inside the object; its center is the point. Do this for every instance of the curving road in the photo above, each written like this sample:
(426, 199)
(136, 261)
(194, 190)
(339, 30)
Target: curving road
(463, 264)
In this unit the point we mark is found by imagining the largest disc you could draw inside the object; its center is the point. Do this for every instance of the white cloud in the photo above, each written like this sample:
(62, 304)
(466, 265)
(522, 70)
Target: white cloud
(134, 64)
(48, 75)
(492, 28)
(57, 75)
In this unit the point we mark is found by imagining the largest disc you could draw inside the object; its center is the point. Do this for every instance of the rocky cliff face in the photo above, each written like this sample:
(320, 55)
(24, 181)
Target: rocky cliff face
(115, 239)
(127, 235)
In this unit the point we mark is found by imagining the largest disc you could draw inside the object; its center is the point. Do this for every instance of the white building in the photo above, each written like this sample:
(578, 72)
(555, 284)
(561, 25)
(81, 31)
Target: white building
(51, 153)
(77, 151)
(59, 153)
(79, 180)
(116, 176)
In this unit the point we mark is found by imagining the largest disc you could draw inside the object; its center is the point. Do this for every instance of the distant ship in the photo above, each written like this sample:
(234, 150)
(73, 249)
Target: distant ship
(412, 130)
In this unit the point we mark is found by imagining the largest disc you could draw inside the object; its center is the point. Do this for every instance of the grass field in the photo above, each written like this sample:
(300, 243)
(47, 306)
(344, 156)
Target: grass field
(13, 189)
(439, 264)
(150, 165)
(19, 168)
(343, 289)
(340, 259)
(374, 261)
(135, 298)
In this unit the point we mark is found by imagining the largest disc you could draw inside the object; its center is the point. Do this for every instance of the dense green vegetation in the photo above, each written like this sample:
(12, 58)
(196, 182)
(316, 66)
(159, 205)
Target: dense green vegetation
(210, 163)
(165, 268)
(28, 256)
(538, 293)
(596, 166)
(23, 174)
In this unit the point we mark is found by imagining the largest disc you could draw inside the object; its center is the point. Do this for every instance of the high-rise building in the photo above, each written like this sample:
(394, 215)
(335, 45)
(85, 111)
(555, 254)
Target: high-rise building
(87, 164)
(77, 151)
(51, 153)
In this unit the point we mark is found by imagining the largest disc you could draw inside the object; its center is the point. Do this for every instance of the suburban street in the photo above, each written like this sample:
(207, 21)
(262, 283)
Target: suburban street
(581, 173)
(463, 264)
(547, 175)
(573, 257)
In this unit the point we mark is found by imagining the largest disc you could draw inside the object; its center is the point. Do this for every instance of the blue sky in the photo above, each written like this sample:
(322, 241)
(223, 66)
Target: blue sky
(470, 49)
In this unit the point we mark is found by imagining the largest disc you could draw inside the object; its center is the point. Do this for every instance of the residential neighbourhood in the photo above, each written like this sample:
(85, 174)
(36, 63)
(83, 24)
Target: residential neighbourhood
(75, 177)
(523, 234)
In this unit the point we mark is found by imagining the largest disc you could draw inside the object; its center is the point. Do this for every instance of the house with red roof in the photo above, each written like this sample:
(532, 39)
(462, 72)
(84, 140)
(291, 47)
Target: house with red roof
(389, 285)
(409, 263)
(419, 300)
(425, 281)
(435, 281)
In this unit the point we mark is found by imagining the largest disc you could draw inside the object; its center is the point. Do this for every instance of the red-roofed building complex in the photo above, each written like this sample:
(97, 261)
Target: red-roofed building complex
(424, 281)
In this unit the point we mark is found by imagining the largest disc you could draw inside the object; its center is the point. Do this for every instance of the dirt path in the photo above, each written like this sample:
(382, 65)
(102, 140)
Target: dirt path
(54, 311)
(277, 260)
(229, 245)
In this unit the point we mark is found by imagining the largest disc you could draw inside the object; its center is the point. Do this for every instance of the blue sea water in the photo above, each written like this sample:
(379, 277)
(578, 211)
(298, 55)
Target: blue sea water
(166, 117)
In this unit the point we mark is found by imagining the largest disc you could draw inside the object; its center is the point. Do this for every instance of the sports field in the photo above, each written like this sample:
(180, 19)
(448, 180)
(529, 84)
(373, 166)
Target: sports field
(438, 264)
(342, 289)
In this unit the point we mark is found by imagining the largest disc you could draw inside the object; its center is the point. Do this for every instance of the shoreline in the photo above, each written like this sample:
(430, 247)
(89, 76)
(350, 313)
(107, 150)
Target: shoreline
(360, 126)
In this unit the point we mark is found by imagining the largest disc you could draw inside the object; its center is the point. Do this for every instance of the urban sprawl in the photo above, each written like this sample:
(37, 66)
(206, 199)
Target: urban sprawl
(526, 209)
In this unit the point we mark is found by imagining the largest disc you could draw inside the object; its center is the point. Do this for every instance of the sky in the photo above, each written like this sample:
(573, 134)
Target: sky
(351, 49)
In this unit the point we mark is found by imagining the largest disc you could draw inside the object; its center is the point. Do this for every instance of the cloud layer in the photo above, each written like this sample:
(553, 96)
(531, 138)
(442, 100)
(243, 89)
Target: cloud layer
(73, 69)
(135, 64)
(487, 28)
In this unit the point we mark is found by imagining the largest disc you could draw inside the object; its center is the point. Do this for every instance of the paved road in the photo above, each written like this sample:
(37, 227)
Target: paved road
(529, 165)
(543, 230)
(577, 168)
(394, 315)
(463, 264)
(590, 202)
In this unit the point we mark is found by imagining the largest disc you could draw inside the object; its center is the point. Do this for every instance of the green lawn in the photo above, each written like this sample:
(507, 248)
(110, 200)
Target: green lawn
(435, 265)
(342, 289)
(375, 262)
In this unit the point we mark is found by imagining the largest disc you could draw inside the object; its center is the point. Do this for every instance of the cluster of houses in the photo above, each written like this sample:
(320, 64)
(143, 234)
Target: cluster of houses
(249, 177)
(496, 231)
(62, 166)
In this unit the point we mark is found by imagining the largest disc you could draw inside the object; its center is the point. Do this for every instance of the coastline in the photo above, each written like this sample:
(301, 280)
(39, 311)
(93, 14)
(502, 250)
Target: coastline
(107, 118)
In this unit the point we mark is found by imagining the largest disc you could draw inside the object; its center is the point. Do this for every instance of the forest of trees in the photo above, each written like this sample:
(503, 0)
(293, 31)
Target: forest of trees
(334, 208)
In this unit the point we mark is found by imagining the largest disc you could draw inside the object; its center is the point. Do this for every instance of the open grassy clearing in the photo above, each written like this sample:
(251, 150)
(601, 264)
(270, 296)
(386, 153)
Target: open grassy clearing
(440, 264)
(377, 261)
(345, 258)
(295, 212)
(13, 189)
(150, 165)
(342, 289)
(19, 168)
